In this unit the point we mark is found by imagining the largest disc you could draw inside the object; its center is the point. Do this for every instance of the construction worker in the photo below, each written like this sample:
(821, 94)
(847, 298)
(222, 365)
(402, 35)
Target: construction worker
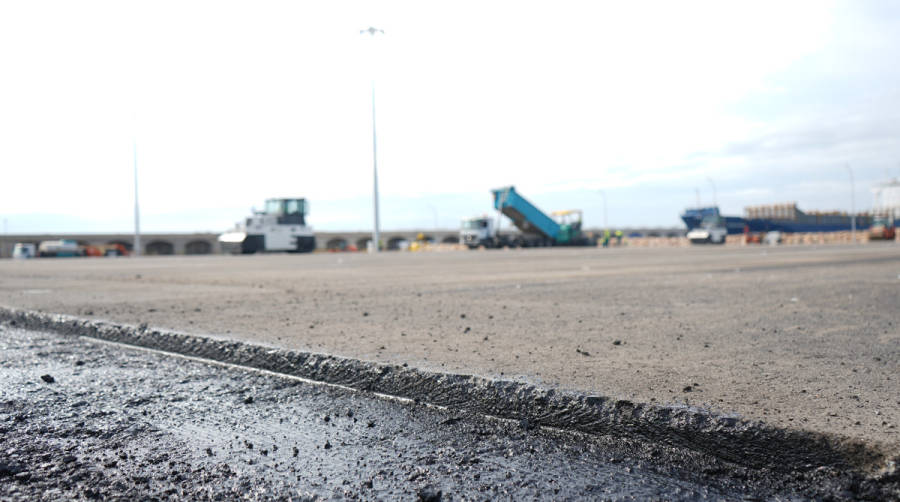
(606, 238)
(618, 237)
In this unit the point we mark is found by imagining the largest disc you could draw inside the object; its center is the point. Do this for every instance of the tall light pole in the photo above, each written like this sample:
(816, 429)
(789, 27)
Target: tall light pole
(136, 251)
(852, 205)
(434, 213)
(605, 222)
(376, 230)
(715, 202)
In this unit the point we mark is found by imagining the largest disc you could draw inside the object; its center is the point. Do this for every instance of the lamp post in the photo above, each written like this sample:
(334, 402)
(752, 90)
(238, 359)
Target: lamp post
(715, 202)
(852, 205)
(435, 214)
(136, 247)
(372, 31)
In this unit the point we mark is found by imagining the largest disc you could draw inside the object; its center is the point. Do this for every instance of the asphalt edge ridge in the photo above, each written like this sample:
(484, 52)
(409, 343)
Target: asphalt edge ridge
(748, 443)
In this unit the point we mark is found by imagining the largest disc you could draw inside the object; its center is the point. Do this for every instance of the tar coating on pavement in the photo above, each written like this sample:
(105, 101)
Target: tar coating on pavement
(119, 423)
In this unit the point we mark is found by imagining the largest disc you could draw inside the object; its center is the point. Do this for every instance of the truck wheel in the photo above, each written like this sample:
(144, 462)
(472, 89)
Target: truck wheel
(306, 244)
(253, 244)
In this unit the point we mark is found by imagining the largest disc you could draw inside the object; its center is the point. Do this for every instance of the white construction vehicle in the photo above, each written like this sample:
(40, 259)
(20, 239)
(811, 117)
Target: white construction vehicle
(281, 226)
(24, 251)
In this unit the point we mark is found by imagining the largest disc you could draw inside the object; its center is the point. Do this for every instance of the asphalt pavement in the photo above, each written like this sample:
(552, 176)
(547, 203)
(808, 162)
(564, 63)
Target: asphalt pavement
(801, 338)
(85, 420)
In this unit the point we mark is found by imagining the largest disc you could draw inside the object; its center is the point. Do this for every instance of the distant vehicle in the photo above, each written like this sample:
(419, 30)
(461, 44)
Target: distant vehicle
(281, 226)
(106, 250)
(24, 250)
(538, 229)
(772, 238)
(694, 217)
(711, 231)
(882, 228)
(480, 231)
(59, 248)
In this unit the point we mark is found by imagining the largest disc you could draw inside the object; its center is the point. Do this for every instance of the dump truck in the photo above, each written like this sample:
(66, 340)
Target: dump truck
(562, 228)
(281, 226)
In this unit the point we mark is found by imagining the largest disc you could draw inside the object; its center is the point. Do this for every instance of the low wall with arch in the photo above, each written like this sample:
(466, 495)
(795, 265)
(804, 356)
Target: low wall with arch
(200, 243)
(152, 244)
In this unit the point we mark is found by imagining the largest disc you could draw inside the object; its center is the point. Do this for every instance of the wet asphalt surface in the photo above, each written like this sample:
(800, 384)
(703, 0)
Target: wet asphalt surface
(82, 419)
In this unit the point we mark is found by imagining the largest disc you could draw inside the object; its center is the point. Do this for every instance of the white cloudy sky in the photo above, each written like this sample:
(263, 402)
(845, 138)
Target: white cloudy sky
(233, 102)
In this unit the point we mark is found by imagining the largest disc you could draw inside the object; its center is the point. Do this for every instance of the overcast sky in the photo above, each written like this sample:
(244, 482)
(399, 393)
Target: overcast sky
(234, 102)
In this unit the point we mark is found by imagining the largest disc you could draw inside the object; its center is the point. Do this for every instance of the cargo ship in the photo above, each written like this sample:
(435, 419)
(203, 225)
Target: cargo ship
(787, 218)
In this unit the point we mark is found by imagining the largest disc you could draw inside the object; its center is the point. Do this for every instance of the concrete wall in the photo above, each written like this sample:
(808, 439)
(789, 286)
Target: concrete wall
(205, 243)
(151, 244)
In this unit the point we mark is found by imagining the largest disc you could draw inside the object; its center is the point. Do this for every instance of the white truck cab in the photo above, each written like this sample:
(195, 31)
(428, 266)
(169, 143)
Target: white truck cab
(281, 226)
(712, 230)
(477, 231)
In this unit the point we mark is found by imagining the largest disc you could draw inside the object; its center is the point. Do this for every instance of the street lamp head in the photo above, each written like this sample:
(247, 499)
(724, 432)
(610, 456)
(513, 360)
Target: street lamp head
(371, 30)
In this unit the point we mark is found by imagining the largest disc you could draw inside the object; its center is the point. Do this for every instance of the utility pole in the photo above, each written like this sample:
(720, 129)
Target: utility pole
(435, 214)
(377, 227)
(852, 205)
(136, 251)
(715, 202)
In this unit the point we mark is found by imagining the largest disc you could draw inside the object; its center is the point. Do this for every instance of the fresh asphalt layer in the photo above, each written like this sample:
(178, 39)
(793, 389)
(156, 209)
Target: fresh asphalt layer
(802, 338)
(85, 420)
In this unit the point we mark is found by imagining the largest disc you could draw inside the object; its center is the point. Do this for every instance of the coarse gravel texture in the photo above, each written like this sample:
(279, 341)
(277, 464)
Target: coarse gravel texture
(84, 420)
(802, 338)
